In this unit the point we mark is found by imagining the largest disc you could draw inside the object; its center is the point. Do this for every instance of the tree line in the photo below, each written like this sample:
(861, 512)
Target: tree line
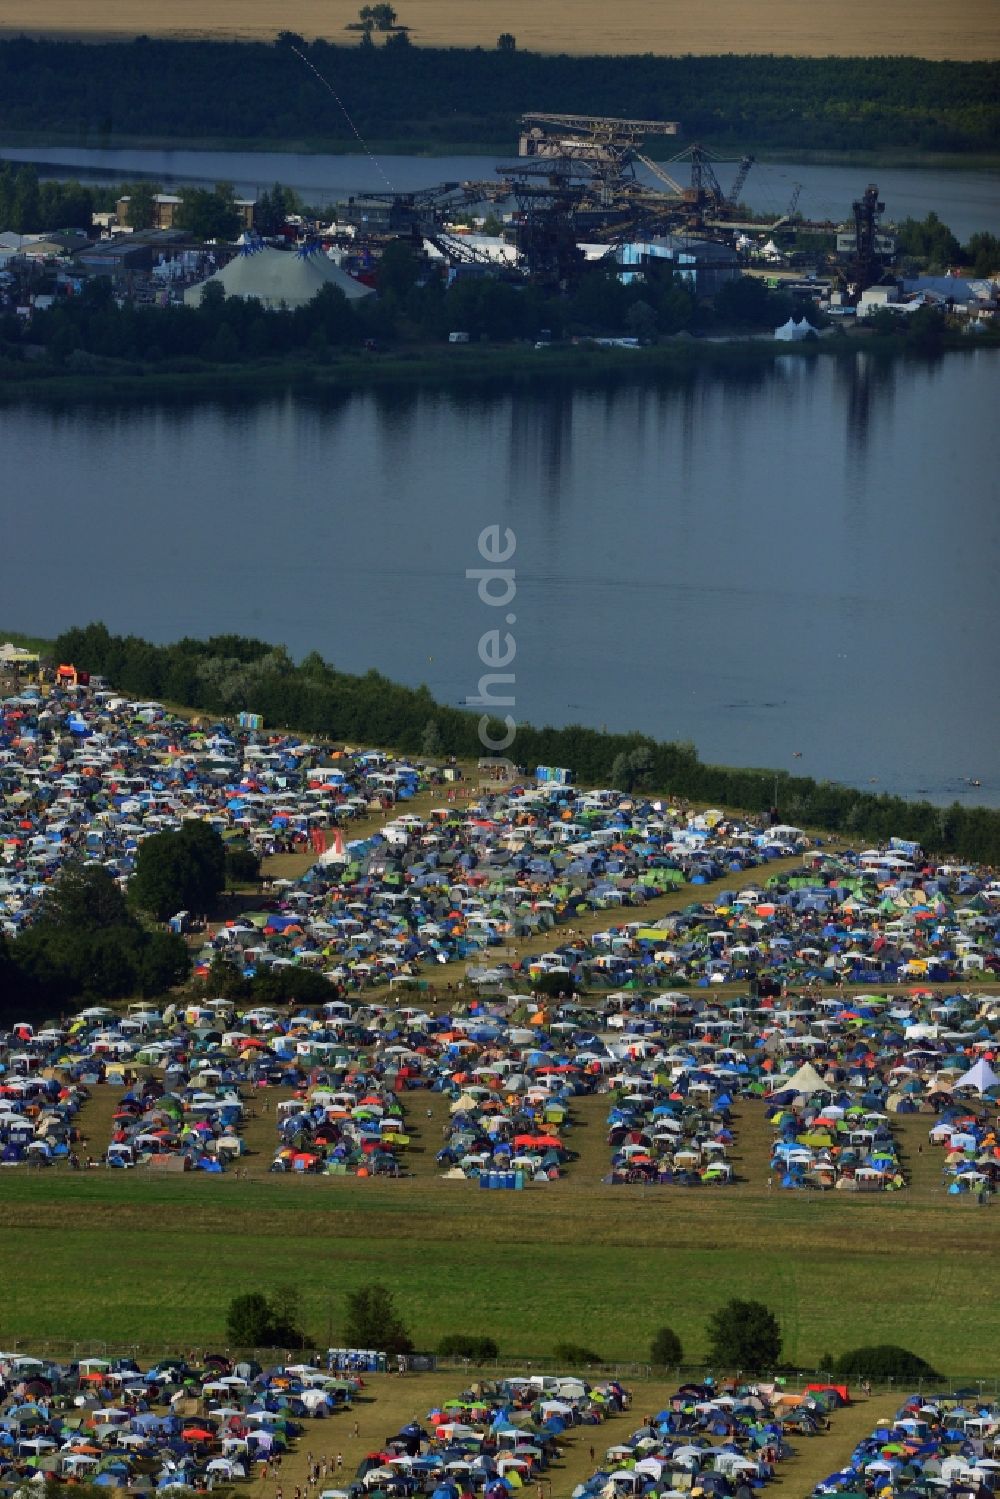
(254, 92)
(31, 205)
(227, 673)
(90, 331)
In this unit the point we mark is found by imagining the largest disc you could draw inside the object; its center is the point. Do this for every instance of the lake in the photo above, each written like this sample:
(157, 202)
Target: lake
(965, 200)
(792, 566)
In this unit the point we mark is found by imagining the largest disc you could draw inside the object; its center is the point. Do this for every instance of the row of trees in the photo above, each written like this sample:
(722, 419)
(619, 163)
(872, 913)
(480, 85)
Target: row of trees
(261, 1319)
(741, 1335)
(227, 673)
(258, 93)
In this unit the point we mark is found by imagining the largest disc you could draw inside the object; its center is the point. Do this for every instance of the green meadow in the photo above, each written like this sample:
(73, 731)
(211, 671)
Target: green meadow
(154, 1261)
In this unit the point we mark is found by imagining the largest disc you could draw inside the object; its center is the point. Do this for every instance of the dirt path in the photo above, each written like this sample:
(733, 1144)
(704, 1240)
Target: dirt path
(427, 1135)
(96, 1121)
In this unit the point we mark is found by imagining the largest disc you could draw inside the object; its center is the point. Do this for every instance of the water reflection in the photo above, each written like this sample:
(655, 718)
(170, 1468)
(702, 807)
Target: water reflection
(727, 555)
(540, 445)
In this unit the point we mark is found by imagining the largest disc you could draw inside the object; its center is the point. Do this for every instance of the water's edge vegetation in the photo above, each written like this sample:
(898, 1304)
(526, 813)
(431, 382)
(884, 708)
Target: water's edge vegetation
(488, 367)
(228, 673)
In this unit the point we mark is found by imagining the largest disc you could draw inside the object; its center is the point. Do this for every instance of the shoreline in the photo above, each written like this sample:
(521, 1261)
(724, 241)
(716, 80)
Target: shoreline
(447, 365)
(899, 158)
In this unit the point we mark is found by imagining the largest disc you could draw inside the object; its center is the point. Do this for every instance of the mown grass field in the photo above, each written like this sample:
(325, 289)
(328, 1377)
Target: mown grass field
(965, 29)
(141, 1259)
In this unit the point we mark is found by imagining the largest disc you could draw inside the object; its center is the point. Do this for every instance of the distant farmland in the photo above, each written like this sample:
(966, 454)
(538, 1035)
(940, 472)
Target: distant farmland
(965, 30)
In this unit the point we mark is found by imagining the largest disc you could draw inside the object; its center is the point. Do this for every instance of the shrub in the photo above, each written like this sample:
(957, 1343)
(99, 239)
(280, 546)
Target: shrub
(468, 1345)
(551, 985)
(576, 1353)
(373, 1322)
(881, 1360)
(242, 865)
(666, 1347)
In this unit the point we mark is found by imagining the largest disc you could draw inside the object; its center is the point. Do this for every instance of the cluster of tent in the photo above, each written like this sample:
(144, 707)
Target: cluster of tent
(498, 1128)
(492, 1439)
(711, 1442)
(194, 1128)
(455, 883)
(971, 1144)
(38, 1119)
(89, 774)
(941, 1446)
(358, 1130)
(112, 1423)
(869, 918)
(830, 1141)
(831, 1072)
(661, 1135)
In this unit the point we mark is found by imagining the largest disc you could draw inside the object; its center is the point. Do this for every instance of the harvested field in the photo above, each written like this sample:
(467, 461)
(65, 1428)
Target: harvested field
(965, 30)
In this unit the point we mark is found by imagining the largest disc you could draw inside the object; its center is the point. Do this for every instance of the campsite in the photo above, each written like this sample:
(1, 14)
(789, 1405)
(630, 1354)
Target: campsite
(216, 1422)
(710, 1055)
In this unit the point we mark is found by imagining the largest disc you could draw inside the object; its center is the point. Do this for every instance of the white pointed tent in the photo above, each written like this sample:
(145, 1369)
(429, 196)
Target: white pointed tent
(805, 1081)
(793, 331)
(981, 1077)
(279, 278)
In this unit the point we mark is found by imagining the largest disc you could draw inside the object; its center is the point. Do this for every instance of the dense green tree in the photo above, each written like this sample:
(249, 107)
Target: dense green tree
(274, 207)
(378, 17)
(472, 1346)
(399, 270)
(744, 1335)
(242, 865)
(983, 254)
(225, 980)
(214, 90)
(929, 241)
(85, 897)
(431, 745)
(141, 207)
(285, 984)
(256, 1320)
(208, 214)
(182, 871)
(746, 303)
(576, 1354)
(372, 1321)
(164, 961)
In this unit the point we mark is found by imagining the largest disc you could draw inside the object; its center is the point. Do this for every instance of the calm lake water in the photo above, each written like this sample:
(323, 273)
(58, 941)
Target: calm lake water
(795, 559)
(966, 200)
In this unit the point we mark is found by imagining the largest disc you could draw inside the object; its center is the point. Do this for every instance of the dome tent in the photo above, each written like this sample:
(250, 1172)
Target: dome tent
(279, 278)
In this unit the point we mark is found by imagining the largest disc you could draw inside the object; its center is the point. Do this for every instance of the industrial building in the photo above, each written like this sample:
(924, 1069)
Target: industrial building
(705, 265)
